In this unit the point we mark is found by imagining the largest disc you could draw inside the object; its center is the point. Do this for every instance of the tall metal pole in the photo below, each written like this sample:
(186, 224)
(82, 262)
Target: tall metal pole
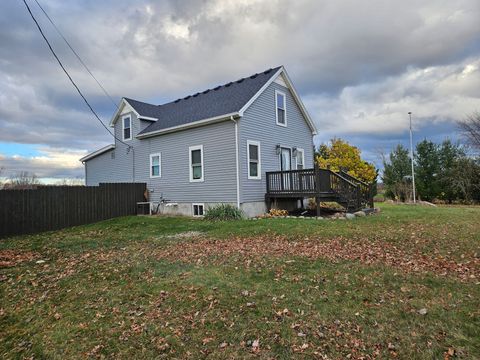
(411, 157)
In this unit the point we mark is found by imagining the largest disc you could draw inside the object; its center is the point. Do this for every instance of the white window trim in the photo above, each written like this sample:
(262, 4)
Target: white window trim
(259, 176)
(159, 165)
(123, 127)
(284, 107)
(193, 209)
(303, 158)
(190, 149)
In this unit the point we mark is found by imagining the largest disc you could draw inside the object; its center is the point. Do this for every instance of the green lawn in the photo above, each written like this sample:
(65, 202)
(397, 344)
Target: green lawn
(150, 287)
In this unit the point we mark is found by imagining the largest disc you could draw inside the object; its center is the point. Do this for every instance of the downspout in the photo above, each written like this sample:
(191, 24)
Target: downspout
(130, 148)
(84, 163)
(236, 160)
(133, 163)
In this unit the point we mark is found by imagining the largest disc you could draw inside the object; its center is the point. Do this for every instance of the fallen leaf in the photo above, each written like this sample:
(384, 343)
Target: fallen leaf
(423, 311)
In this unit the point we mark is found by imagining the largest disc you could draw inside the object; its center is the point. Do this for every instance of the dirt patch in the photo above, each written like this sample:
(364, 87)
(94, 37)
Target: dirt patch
(366, 252)
(9, 258)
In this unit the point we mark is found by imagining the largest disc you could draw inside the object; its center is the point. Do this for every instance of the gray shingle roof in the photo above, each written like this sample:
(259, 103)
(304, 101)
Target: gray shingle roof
(221, 100)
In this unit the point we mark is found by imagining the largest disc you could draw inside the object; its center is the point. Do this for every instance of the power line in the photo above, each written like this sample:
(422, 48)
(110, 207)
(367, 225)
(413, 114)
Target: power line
(76, 54)
(70, 78)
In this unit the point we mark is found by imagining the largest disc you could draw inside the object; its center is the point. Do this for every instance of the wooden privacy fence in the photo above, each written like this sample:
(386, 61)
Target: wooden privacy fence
(56, 207)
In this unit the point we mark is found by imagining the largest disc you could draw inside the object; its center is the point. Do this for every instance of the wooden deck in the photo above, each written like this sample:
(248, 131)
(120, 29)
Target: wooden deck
(321, 184)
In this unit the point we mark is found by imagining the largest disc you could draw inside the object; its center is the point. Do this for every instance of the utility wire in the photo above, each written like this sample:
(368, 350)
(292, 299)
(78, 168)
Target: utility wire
(70, 78)
(76, 54)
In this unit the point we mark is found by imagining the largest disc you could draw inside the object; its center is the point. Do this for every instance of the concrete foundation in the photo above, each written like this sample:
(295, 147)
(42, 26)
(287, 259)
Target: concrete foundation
(183, 209)
(252, 209)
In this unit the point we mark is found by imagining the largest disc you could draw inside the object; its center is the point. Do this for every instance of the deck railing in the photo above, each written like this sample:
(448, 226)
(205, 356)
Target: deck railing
(291, 182)
(367, 190)
(316, 182)
(347, 190)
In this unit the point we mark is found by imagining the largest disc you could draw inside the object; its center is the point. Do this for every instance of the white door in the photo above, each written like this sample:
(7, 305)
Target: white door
(286, 165)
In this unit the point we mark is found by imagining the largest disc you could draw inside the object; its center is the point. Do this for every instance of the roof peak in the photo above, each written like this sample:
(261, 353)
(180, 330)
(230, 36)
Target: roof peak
(228, 84)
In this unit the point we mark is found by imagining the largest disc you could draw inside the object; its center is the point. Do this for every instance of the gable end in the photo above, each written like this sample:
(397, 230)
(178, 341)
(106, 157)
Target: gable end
(281, 75)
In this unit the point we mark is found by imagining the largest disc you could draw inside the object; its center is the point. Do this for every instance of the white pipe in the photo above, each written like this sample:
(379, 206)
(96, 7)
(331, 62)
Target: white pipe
(236, 161)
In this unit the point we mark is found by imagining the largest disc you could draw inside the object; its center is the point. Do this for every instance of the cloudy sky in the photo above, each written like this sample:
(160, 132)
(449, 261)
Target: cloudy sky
(359, 66)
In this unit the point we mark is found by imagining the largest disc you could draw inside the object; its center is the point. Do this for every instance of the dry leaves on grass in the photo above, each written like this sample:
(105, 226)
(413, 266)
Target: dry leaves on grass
(9, 258)
(366, 251)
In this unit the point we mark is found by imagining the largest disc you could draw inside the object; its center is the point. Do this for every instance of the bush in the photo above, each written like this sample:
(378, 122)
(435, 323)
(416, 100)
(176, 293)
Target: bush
(223, 212)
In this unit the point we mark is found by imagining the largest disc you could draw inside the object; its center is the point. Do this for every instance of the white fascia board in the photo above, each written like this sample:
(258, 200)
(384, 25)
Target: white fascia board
(120, 108)
(97, 152)
(299, 102)
(147, 118)
(189, 125)
(259, 92)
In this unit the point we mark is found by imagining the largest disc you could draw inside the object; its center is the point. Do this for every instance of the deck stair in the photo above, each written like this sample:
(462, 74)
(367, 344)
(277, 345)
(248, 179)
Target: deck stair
(322, 184)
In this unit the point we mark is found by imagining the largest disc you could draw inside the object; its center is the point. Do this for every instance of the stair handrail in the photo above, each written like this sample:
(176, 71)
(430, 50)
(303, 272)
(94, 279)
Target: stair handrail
(366, 188)
(343, 178)
(353, 178)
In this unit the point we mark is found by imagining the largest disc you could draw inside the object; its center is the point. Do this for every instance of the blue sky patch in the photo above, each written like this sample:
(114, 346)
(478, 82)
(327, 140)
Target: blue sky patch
(26, 150)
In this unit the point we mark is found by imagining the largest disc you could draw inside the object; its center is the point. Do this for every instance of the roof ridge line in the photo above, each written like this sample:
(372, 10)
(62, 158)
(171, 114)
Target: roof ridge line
(218, 87)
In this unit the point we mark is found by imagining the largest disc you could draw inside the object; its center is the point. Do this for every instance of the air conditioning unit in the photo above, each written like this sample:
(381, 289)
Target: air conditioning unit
(144, 208)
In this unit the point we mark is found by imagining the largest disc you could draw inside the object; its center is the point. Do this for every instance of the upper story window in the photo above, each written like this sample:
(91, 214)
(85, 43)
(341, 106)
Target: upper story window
(127, 127)
(196, 163)
(253, 155)
(155, 165)
(300, 158)
(281, 108)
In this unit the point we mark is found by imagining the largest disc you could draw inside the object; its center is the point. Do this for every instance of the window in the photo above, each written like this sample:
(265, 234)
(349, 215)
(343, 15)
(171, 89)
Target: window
(197, 209)
(300, 159)
(196, 163)
(127, 127)
(253, 156)
(280, 104)
(155, 165)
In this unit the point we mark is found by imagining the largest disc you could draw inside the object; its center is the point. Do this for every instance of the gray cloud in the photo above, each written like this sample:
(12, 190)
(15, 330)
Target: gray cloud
(359, 66)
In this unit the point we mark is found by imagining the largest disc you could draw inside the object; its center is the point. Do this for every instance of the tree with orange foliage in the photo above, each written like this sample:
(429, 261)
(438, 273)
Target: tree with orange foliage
(340, 155)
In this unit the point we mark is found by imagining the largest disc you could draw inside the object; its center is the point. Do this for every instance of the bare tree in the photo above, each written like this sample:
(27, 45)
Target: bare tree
(71, 182)
(23, 180)
(470, 128)
(2, 180)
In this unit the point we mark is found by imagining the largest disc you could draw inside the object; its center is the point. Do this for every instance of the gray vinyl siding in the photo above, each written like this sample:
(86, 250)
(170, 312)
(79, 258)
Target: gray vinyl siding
(259, 124)
(104, 169)
(219, 183)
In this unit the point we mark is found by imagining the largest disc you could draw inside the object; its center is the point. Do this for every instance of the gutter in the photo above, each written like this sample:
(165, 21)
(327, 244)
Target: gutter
(236, 160)
(97, 152)
(194, 124)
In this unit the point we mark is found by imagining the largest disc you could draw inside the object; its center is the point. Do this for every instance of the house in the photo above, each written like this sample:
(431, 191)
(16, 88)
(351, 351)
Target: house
(211, 147)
